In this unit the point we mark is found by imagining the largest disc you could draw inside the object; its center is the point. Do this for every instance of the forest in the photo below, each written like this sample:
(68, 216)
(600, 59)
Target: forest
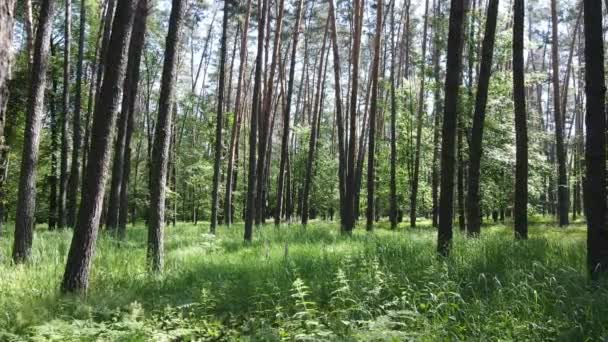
(303, 170)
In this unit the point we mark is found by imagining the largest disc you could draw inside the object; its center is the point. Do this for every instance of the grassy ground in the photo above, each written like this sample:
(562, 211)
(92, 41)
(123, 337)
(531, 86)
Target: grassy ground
(313, 284)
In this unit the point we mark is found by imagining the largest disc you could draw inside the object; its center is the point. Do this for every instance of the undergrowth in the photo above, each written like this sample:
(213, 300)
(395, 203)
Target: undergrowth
(309, 284)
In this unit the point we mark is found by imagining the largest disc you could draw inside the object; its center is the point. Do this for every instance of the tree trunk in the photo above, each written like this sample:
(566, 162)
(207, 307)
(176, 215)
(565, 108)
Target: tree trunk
(65, 145)
(317, 112)
(74, 179)
(6, 34)
(562, 180)
(131, 86)
(253, 131)
(371, 159)
(236, 126)
(26, 199)
(419, 121)
(162, 140)
(76, 276)
(393, 128)
(351, 188)
(266, 119)
(450, 119)
(287, 115)
(520, 210)
(475, 147)
(339, 114)
(437, 114)
(219, 122)
(595, 153)
(52, 216)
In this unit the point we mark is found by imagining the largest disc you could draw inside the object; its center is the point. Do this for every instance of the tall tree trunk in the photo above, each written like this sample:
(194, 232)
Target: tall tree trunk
(74, 180)
(26, 198)
(253, 130)
(162, 139)
(317, 112)
(28, 20)
(562, 180)
(419, 121)
(595, 153)
(475, 147)
(342, 162)
(450, 119)
(76, 276)
(351, 179)
(266, 118)
(52, 179)
(6, 34)
(287, 115)
(520, 210)
(65, 145)
(236, 126)
(371, 159)
(219, 122)
(393, 128)
(131, 86)
(437, 114)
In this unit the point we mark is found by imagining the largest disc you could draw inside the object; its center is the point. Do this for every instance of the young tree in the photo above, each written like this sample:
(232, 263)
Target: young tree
(595, 152)
(26, 199)
(80, 256)
(520, 210)
(287, 115)
(6, 39)
(562, 177)
(74, 181)
(253, 129)
(371, 159)
(475, 147)
(419, 119)
(162, 139)
(218, 124)
(450, 118)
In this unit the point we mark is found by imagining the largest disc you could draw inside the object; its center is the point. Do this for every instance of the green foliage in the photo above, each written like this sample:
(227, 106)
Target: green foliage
(313, 284)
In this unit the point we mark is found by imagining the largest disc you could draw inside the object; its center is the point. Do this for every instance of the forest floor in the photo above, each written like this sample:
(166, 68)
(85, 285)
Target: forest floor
(311, 284)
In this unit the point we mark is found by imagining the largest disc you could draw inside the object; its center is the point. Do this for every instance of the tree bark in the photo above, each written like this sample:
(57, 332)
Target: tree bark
(393, 128)
(26, 198)
(76, 276)
(595, 153)
(219, 122)
(287, 115)
(419, 119)
(450, 119)
(475, 147)
(253, 130)
(236, 126)
(351, 188)
(371, 159)
(74, 179)
(162, 140)
(122, 157)
(520, 210)
(436, 115)
(562, 180)
(65, 118)
(317, 111)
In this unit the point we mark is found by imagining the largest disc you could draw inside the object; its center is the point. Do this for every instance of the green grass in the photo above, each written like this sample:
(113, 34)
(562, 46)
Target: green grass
(311, 284)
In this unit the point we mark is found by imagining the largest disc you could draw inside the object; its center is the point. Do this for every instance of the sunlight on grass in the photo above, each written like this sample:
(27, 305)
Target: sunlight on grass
(312, 283)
